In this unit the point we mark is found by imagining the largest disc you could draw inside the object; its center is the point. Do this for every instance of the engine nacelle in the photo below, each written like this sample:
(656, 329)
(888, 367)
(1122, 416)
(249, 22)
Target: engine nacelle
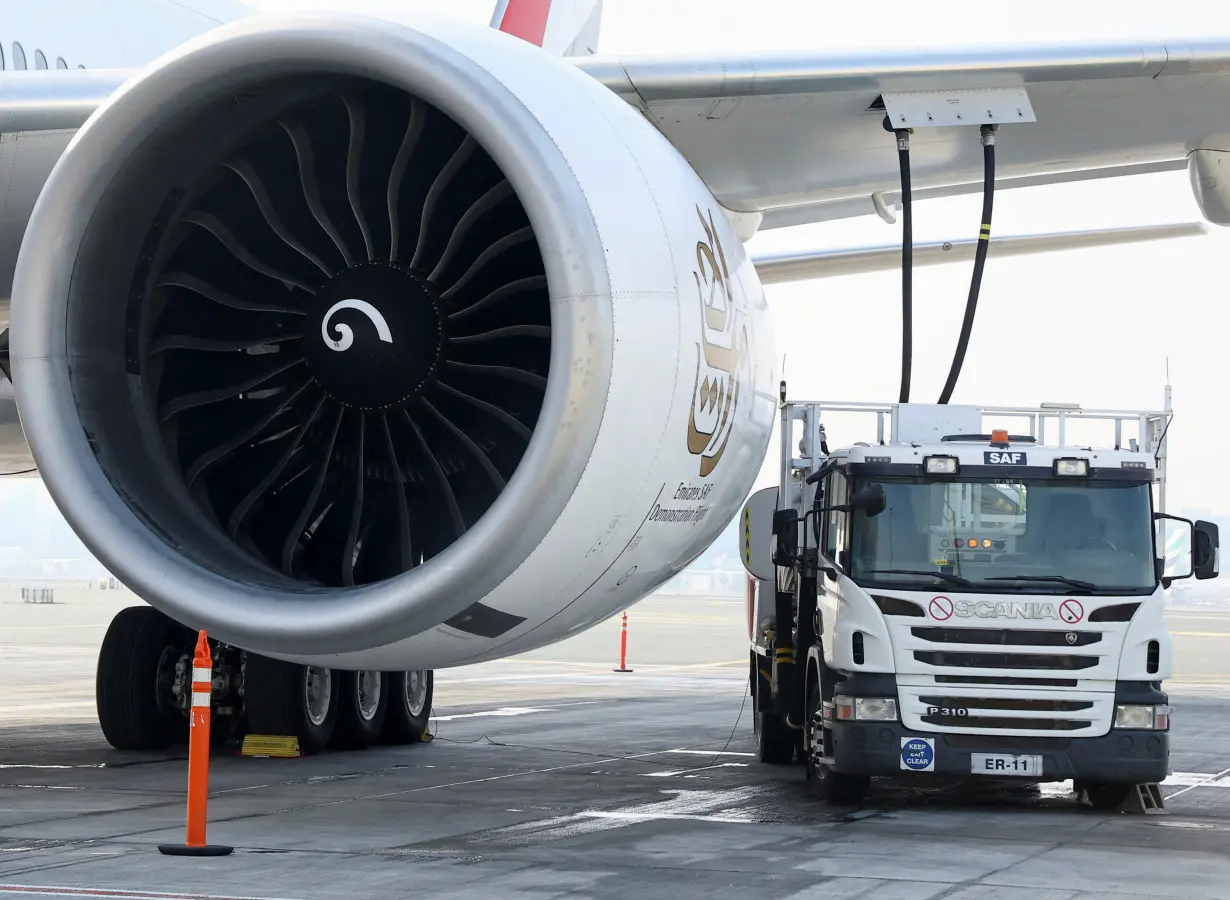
(328, 333)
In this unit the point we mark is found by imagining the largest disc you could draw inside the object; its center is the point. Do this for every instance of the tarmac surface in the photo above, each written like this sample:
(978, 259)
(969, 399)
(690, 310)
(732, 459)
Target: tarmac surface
(551, 776)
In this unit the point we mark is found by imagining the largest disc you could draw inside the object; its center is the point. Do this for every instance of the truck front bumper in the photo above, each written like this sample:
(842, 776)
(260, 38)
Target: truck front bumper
(876, 748)
(1138, 756)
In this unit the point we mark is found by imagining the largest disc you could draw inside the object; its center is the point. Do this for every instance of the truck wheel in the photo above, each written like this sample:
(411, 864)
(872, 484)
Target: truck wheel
(134, 679)
(282, 698)
(774, 741)
(1107, 795)
(409, 706)
(362, 702)
(839, 788)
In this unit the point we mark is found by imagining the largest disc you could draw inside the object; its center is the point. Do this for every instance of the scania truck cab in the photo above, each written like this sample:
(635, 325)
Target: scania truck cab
(957, 599)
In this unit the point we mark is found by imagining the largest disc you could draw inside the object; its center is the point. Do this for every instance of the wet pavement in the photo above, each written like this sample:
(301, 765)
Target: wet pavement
(641, 797)
(551, 776)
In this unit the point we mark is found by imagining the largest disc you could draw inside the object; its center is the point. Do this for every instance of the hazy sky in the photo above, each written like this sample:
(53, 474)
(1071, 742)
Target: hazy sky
(1093, 327)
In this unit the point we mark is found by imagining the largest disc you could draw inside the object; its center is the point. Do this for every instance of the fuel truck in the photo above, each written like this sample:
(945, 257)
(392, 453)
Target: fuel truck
(953, 598)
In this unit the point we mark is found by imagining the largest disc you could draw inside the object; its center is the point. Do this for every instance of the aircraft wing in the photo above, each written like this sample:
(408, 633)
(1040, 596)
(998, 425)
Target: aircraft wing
(800, 137)
(780, 268)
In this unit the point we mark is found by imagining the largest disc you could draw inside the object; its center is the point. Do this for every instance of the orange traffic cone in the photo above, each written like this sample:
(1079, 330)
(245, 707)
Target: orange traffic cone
(198, 759)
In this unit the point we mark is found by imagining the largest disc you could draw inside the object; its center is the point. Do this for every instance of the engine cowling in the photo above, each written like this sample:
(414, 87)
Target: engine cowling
(328, 332)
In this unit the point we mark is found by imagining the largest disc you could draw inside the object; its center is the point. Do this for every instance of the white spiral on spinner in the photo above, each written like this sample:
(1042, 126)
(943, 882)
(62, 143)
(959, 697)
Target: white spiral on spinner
(345, 332)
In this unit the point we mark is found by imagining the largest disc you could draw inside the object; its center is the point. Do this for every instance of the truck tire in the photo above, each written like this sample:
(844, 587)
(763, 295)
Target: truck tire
(838, 788)
(290, 700)
(774, 741)
(132, 687)
(362, 702)
(409, 706)
(1106, 796)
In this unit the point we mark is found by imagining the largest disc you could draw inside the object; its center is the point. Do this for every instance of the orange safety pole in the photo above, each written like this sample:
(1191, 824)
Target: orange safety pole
(198, 758)
(623, 646)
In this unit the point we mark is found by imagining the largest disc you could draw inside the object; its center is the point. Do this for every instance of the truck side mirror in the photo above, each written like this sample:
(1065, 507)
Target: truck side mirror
(1195, 553)
(785, 537)
(1205, 551)
(870, 499)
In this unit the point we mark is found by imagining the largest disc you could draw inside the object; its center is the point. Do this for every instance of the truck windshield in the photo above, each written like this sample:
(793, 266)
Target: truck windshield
(1008, 536)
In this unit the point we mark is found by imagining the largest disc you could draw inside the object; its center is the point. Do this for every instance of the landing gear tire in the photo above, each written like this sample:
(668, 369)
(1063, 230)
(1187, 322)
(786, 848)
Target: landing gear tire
(838, 788)
(362, 704)
(775, 742)
(285, 699)
(1106, 796)
(134, 679)
(409, 706)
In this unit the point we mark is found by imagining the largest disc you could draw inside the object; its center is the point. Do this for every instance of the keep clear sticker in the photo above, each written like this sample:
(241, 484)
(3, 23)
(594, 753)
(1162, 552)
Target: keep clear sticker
(918, 754)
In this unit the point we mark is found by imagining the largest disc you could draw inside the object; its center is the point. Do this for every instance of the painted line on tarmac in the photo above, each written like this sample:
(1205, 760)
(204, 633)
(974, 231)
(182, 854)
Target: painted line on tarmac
(1196, 779)
(599, 760)
(1199, 679)
(676, 619)
(598, 671)
(501, 713)
(1208, 781)
(670, 773)
(740, 806)
(712, 752)
(54, 626)
(584, 666)
(30, 890)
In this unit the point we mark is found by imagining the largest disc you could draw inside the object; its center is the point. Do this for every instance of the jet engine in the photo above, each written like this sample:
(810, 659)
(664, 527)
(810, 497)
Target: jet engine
(326, 329)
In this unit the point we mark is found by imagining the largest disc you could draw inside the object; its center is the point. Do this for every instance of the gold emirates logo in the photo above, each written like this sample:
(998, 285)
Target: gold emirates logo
(721, 350)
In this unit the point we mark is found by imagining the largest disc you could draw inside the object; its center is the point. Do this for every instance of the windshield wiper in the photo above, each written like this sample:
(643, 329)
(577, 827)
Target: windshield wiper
(955, 579)
(1074, 582)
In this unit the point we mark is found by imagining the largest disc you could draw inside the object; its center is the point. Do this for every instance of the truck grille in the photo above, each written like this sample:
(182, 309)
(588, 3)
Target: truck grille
(1006, 680)
(1010, 703)
(1007, 638)
(1005, 660)
(985, 682)
(987, 712)
(959, 712)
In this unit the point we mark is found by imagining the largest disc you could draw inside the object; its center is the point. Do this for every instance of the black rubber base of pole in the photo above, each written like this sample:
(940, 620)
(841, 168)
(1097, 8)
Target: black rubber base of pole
(184, 850)
(621, 670)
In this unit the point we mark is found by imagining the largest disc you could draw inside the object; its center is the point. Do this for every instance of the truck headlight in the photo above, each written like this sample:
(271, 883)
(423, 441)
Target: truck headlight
(1071, 468)
(865, 709)
(940, 465)
(1150, 718)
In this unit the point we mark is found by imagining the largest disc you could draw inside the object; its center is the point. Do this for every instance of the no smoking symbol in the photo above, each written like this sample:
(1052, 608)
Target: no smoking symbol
(1071, 611)
(940, 608)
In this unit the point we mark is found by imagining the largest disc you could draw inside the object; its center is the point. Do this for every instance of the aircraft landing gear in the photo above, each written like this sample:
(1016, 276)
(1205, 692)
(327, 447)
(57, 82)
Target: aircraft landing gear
(144, 682)
(134, 682)
(363, 702)
(410, 695)
(286, 699)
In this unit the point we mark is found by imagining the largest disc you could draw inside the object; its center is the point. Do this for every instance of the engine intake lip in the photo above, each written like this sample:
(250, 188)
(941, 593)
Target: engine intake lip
(78, 401)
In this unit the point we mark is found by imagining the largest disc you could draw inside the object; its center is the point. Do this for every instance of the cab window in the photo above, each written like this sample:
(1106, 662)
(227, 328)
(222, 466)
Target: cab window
(833, 538)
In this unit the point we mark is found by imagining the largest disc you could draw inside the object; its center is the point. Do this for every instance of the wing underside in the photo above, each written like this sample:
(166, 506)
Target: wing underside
(800, 138)
(780, 268)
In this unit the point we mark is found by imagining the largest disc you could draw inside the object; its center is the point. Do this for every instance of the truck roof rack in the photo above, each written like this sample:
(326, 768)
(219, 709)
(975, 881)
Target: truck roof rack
(987, 438)
(803, 454)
